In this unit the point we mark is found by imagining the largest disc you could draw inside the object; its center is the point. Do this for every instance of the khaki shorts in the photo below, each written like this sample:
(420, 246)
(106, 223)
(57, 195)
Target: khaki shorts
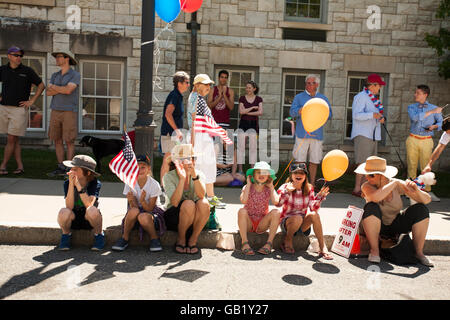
(364, 148)
(167, 144)
(311, 147)
(13, 120)
(63, 126)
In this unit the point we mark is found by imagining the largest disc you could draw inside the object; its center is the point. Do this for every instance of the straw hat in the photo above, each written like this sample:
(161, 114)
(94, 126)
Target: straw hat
(376, 165)
(82, 161)
(182, 151)
(202, 78)
(262, 165)
(72, 60)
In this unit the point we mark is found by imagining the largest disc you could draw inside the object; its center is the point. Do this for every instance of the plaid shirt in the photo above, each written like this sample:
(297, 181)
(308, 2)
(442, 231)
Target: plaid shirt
(295, 203)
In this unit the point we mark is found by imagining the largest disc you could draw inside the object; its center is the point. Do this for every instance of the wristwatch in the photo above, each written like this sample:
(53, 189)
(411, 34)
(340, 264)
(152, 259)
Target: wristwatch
(196, 178)
(83, 190)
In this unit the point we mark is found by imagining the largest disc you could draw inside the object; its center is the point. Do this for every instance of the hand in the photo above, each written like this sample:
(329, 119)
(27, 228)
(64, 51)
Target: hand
(26, 104)
(438, 110)
(143, 195)
(426, 169)
(255, 108)
(290, 187)
(432, 127)
(71, 177)
(249, 179)
(410, 186)
(191, 170)
(180, 170)
(324, 192)
(179, 135)
(382, 120)
(377, 115)
(270, 184)
(130, 196)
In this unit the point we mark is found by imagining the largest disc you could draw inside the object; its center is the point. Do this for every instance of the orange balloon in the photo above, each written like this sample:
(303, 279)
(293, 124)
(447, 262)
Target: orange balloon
(315, 113)
(334, 164)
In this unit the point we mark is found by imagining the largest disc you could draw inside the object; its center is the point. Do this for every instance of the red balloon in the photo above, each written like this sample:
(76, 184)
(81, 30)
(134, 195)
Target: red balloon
(190, 5)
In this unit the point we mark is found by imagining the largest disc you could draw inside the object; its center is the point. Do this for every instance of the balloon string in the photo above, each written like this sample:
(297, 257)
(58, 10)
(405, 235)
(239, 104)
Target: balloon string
(298, 147)
(157, 53)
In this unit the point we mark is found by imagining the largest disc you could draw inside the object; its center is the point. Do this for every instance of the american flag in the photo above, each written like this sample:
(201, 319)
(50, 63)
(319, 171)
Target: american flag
(124, 165)
(204, 122)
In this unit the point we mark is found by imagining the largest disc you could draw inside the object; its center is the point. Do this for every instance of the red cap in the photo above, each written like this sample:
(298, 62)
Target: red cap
(374, 78)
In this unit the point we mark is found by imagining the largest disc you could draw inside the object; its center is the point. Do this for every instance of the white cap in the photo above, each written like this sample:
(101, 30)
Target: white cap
(202, 78)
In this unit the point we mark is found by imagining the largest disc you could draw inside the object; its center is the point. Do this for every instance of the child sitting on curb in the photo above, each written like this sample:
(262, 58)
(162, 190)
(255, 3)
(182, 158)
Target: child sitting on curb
(144, 210)
(255, 216)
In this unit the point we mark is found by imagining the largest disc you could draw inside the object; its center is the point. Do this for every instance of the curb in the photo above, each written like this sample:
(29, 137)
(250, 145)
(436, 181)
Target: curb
(211, 239)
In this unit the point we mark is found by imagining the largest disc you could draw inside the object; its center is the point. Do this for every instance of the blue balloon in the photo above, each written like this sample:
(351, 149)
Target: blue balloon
(168, 10)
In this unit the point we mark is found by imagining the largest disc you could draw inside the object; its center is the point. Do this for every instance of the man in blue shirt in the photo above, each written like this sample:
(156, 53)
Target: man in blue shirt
(424, 119)
(308, 144)
(172, 120)
(64, 90)
(367, 115)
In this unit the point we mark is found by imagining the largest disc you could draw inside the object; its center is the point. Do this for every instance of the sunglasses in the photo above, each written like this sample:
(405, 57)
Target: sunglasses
(371, 175)
(17, 55)
(296, 166)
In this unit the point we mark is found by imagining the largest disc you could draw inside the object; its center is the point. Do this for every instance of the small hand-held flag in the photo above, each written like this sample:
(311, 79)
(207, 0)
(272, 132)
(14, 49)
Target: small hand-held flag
(124, 164)
(204, 122)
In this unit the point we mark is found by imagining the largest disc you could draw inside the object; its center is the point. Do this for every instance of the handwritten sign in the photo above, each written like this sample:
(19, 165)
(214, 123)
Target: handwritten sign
(343, 241)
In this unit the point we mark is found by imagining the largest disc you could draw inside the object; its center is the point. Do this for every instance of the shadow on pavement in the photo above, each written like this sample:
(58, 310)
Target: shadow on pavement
(386, 267)
(296, 280)
(106, 264)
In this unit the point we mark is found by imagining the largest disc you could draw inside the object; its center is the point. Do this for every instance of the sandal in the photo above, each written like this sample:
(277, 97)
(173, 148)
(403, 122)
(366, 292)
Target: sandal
(19, 171)
(193, 247)
(3, 172)
(179, 246)
(248, 251)
(325, 255)
(288, 250)
(264, 250)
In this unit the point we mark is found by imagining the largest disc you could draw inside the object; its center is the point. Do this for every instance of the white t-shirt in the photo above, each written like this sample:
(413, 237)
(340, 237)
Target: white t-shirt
(445, 138)
(151, 187)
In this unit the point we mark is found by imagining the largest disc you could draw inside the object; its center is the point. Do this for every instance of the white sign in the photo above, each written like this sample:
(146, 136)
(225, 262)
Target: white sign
(343, 241)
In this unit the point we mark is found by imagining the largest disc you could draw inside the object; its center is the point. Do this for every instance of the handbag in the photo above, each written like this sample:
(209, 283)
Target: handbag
(402, 252)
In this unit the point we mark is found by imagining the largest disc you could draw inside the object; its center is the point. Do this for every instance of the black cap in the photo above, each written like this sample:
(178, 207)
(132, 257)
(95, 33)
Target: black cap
(298, 166)
(143, 158)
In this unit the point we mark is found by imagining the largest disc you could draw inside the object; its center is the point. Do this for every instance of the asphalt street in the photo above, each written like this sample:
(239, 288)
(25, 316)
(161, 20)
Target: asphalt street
(41, 272)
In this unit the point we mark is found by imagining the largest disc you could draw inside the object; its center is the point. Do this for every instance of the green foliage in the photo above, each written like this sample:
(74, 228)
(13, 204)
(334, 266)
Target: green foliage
(441, 42)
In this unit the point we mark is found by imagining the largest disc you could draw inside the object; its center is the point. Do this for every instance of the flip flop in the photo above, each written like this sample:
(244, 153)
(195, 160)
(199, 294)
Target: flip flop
(19, 171)
(179, 246)
(325, 255)
(288, 250)
(193, 247)
(3, 172)
(264, 250)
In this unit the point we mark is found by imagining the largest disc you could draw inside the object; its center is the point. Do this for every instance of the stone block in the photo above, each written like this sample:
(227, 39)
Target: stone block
(33, 13)
(241, 31)
(393, 22)
(123, 19)
(228, 8)
(56, 14)
(236, 56)
(256, 19)
(219, 28)
(404, 35)
(407, 8)
(364, 63)
(266, 5)
(101, 16)
(304, 60)
(122, 8)
(136, 7)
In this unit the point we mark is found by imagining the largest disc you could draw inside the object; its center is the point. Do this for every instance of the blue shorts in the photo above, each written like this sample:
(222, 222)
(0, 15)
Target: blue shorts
(299, 231)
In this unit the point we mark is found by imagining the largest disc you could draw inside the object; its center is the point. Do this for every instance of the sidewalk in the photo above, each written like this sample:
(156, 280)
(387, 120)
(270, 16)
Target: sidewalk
(29, 208)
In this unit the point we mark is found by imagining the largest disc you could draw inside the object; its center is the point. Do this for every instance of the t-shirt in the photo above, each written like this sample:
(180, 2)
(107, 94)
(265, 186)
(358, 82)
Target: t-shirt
(151, 187)
(92, 189)
(445, 138)
(390, 209)
(65, 102)
(247, 105)
(170, 182)
(16, 84)
(220, 112)
(176, 99)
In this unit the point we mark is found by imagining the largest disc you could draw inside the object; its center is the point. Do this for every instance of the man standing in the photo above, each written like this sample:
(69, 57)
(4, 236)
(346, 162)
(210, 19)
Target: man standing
(14, 103)
(172, 120)
(367, 113)
(221, 102)
(308, 144)
(64, 90)
(424, 119)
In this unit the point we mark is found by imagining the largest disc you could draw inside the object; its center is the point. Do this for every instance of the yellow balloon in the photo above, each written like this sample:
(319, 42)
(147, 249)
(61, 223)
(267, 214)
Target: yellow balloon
(334, 164)
(315, 113)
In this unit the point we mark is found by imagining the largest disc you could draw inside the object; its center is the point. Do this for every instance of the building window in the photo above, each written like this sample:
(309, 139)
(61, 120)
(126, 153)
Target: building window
(101, 96)
(237, 81)
(305, 10)
(355, 85)
(36, 114)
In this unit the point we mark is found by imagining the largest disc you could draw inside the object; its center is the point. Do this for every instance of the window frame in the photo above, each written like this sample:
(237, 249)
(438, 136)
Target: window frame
(231, 69)
(296, 72)
(43, 60)
(323, 13)
(83, 60)
(383, 96)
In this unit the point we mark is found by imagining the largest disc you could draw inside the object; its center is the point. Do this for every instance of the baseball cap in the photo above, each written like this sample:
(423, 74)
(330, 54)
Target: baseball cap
(374, 78)
(202, 78)
(142, 158)
(15, 49)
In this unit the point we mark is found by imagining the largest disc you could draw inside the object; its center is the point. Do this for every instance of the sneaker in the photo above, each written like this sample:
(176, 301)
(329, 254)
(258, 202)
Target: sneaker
(434, 197)
(64, 245)
(120, 245)
(215, 202)
(155, 245)
(60, 171)
(99, 242)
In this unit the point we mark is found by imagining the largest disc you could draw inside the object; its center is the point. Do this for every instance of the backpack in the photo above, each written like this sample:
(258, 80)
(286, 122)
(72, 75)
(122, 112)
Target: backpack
(213, 222)
(403, 252)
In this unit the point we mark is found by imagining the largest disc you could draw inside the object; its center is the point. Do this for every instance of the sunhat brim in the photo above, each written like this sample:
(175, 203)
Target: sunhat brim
(70, 164)
(271, 171)
(390, 171)
(72, 60)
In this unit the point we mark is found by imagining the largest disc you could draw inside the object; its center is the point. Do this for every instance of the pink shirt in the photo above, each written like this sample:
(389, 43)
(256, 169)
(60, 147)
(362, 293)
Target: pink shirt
(257, 204)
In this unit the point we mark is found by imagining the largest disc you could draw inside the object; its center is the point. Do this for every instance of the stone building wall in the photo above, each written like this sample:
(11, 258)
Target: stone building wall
(250, 33)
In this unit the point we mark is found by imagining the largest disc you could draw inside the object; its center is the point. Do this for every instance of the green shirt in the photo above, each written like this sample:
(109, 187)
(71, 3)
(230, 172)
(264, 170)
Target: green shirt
(170, 182)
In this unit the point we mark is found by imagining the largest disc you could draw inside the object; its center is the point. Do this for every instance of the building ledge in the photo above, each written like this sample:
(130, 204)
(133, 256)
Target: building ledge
(45, 3)
(305, 25)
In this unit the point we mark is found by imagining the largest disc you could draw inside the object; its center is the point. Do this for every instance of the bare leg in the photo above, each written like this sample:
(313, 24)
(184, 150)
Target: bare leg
(18, 154)
(130, 220)
(271, 222)
(94, 217)
(147, 222)
(292, 225)
(201, 216)
(70, 150)
(186, 218)
(164, 167)
(59, 150)
(419, 232)
(312, 172)
(9, 149)
(372, 227)
(210, 189)
(65, 218)
(245, 225)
